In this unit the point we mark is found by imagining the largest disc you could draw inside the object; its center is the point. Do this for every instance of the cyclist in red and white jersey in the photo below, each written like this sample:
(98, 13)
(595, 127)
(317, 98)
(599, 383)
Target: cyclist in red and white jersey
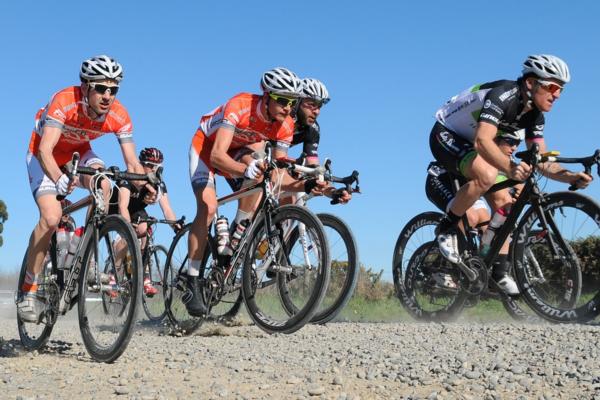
(221, 145)
(72, 118)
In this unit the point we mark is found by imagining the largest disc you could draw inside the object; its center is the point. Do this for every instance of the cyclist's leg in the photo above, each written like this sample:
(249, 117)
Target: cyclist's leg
(246, 205)
(29, 306)
(203, 184)
(91, 160)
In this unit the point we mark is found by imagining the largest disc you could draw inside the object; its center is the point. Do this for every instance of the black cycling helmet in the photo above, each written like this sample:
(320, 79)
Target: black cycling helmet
(152, 155)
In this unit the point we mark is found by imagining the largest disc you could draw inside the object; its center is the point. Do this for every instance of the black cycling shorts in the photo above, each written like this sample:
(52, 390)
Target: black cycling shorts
(452, 151)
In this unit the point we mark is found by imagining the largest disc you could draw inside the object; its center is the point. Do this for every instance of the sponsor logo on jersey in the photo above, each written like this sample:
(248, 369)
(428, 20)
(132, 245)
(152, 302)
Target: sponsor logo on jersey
(58, 113)
(489, 117)
(507, 94)
(487, 103)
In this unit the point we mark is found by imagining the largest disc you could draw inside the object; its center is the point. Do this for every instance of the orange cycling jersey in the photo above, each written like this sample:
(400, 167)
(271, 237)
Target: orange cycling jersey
(242, 115)
(66, 111)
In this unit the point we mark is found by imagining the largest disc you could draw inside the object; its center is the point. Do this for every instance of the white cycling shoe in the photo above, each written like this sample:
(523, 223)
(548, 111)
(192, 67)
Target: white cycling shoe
(508, 285)
(30, 307)
(448, 244)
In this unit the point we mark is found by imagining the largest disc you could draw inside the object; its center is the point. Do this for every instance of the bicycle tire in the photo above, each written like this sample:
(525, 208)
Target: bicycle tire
(405, 270)
(339, 291)
(129, 288)
(175, 286)
(34, 341)
(577, 297)
(154, 306)
(268, 317)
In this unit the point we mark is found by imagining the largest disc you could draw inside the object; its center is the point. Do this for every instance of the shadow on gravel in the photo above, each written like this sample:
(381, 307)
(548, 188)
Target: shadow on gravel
(13, 348)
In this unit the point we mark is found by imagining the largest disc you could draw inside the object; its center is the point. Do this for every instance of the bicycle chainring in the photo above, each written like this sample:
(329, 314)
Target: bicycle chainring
(480, 284)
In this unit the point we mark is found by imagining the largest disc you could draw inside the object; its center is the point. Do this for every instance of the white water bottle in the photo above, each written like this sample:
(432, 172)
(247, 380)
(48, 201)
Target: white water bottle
(73, 247)
(62, 246)
(222, 228)
(496, 222)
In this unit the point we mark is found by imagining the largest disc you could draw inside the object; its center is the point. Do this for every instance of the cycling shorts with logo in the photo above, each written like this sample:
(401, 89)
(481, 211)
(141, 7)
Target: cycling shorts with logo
(41, 184)
(451, 150)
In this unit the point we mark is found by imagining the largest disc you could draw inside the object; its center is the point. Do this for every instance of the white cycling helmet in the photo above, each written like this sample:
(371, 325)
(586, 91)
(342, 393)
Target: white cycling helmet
(547, 66)
(314, 89)
(516, 135)
(281, 81)
(101, 67)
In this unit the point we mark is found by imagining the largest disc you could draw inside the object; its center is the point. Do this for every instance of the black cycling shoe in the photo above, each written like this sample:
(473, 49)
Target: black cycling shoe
(195, 305)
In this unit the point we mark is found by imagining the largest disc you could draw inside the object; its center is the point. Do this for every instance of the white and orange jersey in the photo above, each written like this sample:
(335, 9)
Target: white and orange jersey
(66, 111)
(242, 115)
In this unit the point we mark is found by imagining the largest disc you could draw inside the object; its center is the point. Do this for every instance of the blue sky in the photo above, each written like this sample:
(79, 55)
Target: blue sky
(388, 66)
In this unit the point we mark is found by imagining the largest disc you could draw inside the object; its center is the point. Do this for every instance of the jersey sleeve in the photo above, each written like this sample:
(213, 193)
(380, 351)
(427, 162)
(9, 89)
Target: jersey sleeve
(121, 123)
(494, 107)
(232, 112)
(56, 111)
(310, 146)
(285, 135)
(536, 130)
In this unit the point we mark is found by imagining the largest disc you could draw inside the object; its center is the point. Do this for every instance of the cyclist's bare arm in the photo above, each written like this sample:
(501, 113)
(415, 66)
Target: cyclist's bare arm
(557, 172)
(219, 157)
(50, 137)
(124, 198)
(165, 206)
(133, 165)
(488, 149)
(290, 184)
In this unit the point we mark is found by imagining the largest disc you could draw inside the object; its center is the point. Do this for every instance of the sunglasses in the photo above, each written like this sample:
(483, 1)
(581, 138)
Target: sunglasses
(313, 104)
(103, 88)
(283, 101)
(151, 164)
(510, 141)
(550, 86)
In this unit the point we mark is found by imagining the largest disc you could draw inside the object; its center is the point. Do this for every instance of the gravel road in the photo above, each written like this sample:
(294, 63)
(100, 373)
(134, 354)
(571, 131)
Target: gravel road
(337, 361)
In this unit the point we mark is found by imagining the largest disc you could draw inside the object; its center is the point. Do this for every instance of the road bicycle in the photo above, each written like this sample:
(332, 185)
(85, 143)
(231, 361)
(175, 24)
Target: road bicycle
(154, 259)
(106, 311)
(545, 252)
(272, 272)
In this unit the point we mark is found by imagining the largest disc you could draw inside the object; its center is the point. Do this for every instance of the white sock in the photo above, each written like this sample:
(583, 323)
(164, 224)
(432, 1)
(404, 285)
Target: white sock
(242, 215)
(194, 267)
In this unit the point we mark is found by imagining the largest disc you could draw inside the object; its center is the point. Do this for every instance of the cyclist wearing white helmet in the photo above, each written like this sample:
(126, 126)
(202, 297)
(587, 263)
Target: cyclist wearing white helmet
(72, 118)
(462, 140)
(224, 142)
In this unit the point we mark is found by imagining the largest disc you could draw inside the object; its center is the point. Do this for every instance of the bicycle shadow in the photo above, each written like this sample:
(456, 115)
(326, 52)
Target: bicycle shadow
(13, 348)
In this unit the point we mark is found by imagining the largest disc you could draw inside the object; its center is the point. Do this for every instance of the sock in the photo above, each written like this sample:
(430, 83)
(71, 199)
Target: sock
(194, 267)
(242, 215)
(501, 267)
(31, 282)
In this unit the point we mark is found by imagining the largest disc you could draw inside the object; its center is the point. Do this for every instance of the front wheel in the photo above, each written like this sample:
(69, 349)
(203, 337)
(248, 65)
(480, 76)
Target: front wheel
(154, 304)
(108, 311)
(284, 281)
(555, 262)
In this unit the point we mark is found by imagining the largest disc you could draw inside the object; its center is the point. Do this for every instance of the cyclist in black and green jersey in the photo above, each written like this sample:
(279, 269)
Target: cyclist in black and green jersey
(462, 140)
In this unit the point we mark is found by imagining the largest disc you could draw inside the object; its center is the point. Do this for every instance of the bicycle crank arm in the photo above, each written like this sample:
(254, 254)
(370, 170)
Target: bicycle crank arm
(469, 272)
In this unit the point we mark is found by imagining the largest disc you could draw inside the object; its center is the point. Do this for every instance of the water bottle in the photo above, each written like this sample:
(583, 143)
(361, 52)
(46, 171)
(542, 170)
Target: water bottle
(222, 228)
(238, 233)
(496, 222)
(73, 247)
(62, 246)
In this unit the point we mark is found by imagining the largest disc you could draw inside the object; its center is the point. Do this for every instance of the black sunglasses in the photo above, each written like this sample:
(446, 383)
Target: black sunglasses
(510, 141)
(103, 88)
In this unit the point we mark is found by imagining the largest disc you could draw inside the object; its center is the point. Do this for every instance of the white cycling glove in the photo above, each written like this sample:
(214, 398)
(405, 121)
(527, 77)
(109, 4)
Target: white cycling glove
(253, 171)
(62, 185)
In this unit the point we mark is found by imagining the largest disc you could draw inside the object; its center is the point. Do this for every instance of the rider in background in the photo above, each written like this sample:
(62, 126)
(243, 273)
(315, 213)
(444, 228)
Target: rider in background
(72, 118)
(462, 140)
(131, 202)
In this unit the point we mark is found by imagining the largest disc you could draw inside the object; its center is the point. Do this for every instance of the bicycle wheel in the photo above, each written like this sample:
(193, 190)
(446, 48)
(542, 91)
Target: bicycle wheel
(107, 312)
(175, 285)
(277, 270)
(416, 262)
(154, 305)
(34, 336)
(344, 267)
(564, 288)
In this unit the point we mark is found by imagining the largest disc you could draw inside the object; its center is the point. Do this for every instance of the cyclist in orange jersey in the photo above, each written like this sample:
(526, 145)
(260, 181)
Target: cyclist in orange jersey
(223, 138)
(72, 118)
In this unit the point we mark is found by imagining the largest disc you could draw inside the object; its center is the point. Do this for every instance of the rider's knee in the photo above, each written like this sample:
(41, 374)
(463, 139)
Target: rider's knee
(485, 179)
(49, 221)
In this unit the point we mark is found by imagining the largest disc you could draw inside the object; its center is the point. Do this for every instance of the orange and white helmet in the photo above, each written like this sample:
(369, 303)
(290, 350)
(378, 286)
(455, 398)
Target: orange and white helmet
(547, 66)
(281, 81)
(99, 68)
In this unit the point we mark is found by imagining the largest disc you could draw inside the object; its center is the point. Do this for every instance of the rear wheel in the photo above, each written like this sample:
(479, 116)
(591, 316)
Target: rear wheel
(34, 336)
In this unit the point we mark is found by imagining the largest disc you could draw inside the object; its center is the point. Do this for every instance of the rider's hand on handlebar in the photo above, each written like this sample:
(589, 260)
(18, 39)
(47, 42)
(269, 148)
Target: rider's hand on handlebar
(65, 185)
(520, 171)
(341, 195)
(580, 179)
(255, 169)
